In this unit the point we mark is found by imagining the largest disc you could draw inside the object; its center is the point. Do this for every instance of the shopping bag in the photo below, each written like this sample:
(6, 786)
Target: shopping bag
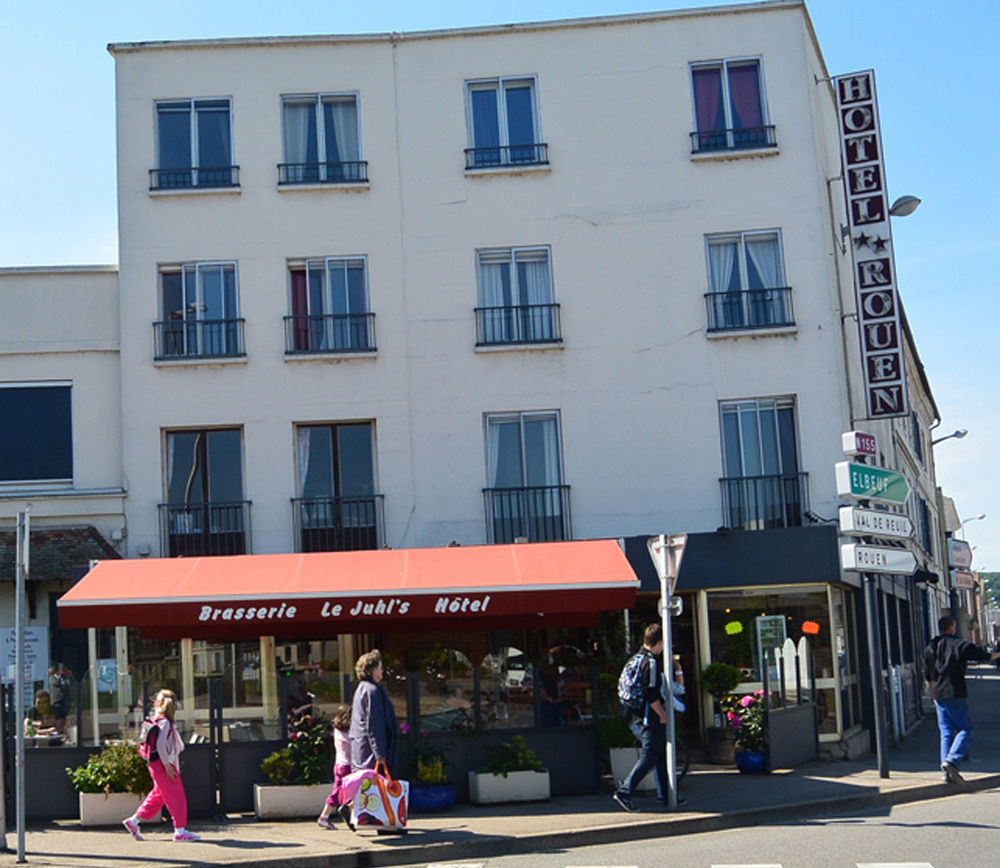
(380, 801)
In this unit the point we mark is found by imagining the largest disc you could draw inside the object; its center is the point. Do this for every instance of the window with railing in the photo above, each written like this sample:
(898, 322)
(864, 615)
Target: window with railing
(194, 146)
(329, 301)
(204, 512)
(503, 124)
(200, 312)
(526, 497)
(515, 297)
(762, 487)
(337, 508)
(321, 139)
(746, 280)
(729, 107)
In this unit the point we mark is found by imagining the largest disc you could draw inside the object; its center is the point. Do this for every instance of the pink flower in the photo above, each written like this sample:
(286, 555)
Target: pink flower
(404, 728)
(747, 701)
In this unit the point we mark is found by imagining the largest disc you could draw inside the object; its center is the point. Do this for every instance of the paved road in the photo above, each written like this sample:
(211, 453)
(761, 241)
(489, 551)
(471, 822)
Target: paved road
(958, 832)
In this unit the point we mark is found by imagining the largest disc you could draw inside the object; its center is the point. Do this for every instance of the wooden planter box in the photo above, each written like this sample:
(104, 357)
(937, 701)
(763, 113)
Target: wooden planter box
(109, 809)
(294, 800)
(489, 789)
(622, 760)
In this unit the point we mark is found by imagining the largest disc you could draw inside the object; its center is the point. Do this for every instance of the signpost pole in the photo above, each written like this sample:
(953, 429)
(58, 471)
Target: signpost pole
(23, 566)
(875, 666)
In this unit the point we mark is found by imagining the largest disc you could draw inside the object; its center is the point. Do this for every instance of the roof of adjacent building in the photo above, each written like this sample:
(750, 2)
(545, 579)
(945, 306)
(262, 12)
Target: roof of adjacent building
(55, 551)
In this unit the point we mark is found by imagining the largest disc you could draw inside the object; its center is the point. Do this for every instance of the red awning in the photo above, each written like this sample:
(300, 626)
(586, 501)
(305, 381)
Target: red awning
(455, 588)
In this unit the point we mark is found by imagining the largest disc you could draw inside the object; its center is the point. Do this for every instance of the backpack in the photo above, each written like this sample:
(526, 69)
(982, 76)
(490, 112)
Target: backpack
(148, 733)
(633, 683)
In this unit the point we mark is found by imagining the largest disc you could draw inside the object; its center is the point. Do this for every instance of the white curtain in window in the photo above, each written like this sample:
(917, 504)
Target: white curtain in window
(550, 437)
(297, 131)
(343, 113)
(493, 452)
(303, 443)
(721, 257)
(491, 282)
(763, 253)
(538, 288)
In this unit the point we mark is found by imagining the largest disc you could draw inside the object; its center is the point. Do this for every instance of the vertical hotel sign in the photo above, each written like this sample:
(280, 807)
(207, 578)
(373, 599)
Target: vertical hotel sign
(871, 242)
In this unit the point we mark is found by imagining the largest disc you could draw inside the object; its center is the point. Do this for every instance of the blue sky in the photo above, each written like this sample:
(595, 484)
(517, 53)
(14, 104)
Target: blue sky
(934, 65)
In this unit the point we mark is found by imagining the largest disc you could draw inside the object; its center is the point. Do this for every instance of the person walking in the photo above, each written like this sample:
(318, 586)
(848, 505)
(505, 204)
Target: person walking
(337, 800)
(648, 721)
(945, 660)
(161, 746)
(373, 719)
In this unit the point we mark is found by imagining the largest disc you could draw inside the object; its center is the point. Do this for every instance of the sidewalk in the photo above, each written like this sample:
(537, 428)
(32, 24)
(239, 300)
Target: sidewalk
(717, 798)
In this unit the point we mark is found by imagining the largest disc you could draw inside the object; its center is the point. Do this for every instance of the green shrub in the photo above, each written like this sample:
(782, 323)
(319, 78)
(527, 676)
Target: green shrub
(307, 758)
(116, 769)
(512, 756)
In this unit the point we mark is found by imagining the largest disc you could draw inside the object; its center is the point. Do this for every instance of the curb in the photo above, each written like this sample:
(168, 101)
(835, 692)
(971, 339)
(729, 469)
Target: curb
(503, 845)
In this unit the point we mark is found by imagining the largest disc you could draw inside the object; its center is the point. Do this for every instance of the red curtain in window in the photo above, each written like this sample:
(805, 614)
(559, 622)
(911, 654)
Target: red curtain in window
(708, 99)
(744, 94)
(300, 310)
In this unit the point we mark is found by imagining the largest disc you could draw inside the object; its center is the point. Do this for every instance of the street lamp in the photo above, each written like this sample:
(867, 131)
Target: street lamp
(958, 435)
(904, 206)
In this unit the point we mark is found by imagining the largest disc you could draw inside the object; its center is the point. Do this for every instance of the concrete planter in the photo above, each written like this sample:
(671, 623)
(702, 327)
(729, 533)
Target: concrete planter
(294, 800)
(622, 760)
(109, 809)
(489, 789)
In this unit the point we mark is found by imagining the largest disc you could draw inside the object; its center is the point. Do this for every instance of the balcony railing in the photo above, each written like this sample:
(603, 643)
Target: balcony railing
(507, 155)
(197, 529)
(535, 513)
(338, 524)
(738, 139)
(763, 502)
(200, 177)
(330, 333)
(354, 171)
(518, 324)
(752, 309)
(198, 339)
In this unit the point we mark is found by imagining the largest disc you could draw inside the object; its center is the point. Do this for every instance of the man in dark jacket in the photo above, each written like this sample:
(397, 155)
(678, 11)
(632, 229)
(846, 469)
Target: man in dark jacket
(945, 659)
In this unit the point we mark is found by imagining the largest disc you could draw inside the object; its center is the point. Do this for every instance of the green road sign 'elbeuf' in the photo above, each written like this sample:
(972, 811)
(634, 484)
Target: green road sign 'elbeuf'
(865, 482)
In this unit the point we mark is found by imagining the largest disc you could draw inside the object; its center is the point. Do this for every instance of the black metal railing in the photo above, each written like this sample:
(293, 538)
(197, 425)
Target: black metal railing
(518, 324)
(350, 171)
(536, 513)
(330, 333)
(738, 139)
(752, 309)
(198, 339)
(207, 176)
(212, 528)
(338, 524)
(763, 502)
(507, 155)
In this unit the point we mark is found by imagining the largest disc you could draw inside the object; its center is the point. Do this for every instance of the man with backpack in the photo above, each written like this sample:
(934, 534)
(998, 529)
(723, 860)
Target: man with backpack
(641, 701)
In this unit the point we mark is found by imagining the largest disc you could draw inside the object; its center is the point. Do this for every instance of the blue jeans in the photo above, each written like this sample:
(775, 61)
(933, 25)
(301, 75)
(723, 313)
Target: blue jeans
(652, 755)
(955, 724)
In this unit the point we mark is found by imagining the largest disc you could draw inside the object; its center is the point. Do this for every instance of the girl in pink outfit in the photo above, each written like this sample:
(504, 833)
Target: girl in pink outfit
(341, 768)
(165, 747)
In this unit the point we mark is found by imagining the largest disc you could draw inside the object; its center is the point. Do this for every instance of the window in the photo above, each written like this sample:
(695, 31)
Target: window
(762, 486)
(36, 432)
(205, 513)
(321, 140)
(338, 509)
(503, 124)
(746, 282)
(194, 146)
(916, 437)
(329, 307)
(200, 312)
(515, 297)
(526, 497)
(729, 108)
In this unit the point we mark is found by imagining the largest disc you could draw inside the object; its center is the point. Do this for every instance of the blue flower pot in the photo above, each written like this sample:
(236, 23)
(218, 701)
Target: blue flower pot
(431, 798)
(751, 762)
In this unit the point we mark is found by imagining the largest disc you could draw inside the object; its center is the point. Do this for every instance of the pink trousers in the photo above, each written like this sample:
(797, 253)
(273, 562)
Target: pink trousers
(165, 792)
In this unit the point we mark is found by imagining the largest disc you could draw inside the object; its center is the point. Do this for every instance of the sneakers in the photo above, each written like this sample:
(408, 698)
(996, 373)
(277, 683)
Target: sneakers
(345, 814)
(951, 775)
(132, 827)
(324, 823)
(624, 801)
(185, 835)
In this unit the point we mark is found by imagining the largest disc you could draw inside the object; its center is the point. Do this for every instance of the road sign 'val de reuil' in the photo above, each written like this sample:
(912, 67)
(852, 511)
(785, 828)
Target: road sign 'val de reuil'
(877, 559)
(855, 521)
(865, 482)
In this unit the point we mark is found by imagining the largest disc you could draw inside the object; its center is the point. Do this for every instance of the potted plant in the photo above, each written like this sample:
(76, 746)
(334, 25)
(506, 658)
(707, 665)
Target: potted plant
(424, 764)
(512, 774)
(719, 680)
(749, 722)
(299, 773)
(111, 784)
